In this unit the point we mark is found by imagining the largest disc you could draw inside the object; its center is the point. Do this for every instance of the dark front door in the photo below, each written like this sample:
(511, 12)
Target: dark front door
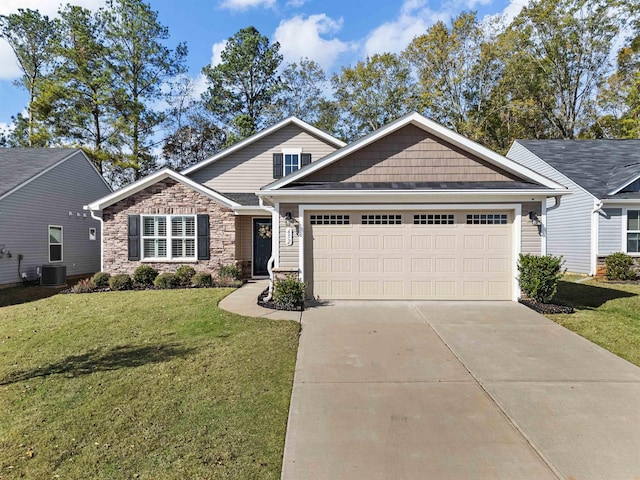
(261, 246)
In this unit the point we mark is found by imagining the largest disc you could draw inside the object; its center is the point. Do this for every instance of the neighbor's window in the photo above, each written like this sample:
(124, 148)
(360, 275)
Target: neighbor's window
(633, 231)
(92, 233)
(169, 237)
(291, 162)
(55, 243)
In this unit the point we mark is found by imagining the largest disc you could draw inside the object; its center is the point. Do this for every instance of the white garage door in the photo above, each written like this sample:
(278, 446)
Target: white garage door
(410, 255)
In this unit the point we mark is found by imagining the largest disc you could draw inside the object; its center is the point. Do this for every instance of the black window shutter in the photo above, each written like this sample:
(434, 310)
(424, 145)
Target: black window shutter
(203, 238)
(134, 237)
(277, 165)
(306, 159)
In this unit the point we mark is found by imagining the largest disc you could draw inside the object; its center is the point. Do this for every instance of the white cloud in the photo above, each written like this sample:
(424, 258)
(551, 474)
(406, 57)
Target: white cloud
(305, 37)
(10, 70)
(296, 3)
(513, 9)
(241, 5)
(414, 19)
(216, 52)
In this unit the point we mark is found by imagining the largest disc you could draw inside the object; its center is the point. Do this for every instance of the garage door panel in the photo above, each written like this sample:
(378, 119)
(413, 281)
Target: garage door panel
(452, 260)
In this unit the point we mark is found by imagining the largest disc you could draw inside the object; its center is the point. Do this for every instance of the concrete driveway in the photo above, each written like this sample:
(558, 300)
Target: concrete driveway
(457, 390)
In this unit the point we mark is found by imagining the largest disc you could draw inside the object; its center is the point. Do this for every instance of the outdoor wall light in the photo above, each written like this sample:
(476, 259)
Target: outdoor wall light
(287, 218)
(534, 219)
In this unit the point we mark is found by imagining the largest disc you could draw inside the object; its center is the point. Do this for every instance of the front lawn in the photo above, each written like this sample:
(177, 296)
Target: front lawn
(149, 385)
(607, 314)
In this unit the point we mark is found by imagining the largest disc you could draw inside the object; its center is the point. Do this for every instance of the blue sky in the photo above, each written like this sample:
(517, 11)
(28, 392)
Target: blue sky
(334, 33)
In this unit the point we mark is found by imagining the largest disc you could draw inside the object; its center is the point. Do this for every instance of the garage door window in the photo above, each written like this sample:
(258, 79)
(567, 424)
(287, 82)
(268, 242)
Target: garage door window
(382, 219)
(434, 219)
(487, 219)
(329, 219)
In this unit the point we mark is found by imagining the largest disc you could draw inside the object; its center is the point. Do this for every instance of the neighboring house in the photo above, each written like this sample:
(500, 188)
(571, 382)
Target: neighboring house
(42, 221)
(412, 210)
(602, 216)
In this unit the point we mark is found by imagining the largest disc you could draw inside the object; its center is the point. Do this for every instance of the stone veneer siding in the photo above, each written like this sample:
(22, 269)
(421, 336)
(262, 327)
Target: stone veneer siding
(167, 197)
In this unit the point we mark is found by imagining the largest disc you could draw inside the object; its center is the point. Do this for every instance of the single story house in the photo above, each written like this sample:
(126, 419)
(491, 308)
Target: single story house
(42, 221)
(410, 211)
(602, 215)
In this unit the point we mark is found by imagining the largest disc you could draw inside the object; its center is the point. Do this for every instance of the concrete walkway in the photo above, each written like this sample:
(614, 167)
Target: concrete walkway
(244, 302)
(457, 390)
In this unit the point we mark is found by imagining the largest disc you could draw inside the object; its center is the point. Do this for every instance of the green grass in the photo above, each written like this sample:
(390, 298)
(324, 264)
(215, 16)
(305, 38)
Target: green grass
(149, 385)
(607, 314)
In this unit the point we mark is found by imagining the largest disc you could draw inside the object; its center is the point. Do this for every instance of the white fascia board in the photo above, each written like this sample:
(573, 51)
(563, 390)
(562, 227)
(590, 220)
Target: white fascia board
(250, 210)
(264, 133)
(623, 185)
(38, 175)
(433, 128)
(143, 183)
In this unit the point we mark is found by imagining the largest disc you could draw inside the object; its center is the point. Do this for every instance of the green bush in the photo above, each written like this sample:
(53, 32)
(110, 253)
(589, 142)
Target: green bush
(121, 281)
(85, 285)
(202, 279)
(166, 280)
(539, 276)
(620, 267)
(184, 274)
(224, 282)
(145, 275)
(101, 279)
(229, 271)
(289, 293)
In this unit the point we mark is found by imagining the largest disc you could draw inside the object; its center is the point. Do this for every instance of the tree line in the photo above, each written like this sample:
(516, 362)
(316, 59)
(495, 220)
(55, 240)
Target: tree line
(108, 82)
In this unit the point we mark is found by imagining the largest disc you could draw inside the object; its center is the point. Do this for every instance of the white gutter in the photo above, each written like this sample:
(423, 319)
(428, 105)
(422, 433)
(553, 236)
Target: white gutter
(92, 212)
(597, 205)
(402, 193)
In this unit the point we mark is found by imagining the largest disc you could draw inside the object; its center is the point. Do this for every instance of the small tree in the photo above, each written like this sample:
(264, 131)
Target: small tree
(539, 276)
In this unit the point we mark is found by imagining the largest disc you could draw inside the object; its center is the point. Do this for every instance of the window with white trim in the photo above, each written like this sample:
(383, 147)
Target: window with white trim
(171, 237)
(487, 219)
(434, 219)
(633, 231)
(382, 219)
(55, 243)
(290, 161)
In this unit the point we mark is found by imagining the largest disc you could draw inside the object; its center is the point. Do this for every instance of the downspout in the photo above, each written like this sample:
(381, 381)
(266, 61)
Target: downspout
(557, 198)
(92, 212)
(272, 259)
(597, 205)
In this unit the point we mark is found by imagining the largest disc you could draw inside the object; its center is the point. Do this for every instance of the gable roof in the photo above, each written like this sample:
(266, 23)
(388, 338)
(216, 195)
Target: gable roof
(262, 134)
(149, 180)
(433, 128)
(601, 167)
(19, 166)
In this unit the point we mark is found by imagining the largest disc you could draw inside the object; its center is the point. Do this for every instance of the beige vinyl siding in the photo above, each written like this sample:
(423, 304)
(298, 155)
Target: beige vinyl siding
(531, 239)
(289, 254)
(407, 155)
(244, 238)
(251, 168)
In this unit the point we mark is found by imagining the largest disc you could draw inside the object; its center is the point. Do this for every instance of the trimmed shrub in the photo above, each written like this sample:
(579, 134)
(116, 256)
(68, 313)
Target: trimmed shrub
(202, 279)
(83, 286)
(166, 280)
(289, 294)
(121, 281)
(184, 274)
(229, 271)
(101, 279)
(227, 282)
(539, 276)
(620, 267)
(145, 275)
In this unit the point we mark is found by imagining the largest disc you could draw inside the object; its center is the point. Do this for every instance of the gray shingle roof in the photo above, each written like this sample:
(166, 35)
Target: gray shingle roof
(246, 199)
(598, 166)
(17, 165)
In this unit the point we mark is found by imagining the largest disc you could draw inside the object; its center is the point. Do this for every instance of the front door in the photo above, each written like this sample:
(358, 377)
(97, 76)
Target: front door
(261, 246)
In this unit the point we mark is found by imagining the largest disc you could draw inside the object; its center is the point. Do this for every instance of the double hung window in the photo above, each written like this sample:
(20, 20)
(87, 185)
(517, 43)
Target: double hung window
(55, 243)
(633, 231)
(169, 237)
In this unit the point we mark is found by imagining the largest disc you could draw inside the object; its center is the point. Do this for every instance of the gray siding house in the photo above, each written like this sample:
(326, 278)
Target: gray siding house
(602, 214)
(42, 221)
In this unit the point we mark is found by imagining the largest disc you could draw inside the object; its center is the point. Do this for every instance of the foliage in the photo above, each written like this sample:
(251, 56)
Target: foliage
(136, 385)
(120, 281)
(166, 280)
(539, 276)
(244, 84)
(101, 279)
(620, 266)
(184, 274)
(145, 275)
(202, 279)
(289, 293)
(373, 93)
(83, 286)
(229, 271)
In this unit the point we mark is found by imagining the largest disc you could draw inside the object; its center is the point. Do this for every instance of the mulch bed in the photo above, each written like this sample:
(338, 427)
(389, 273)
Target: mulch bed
(546, 308)
(273, 306)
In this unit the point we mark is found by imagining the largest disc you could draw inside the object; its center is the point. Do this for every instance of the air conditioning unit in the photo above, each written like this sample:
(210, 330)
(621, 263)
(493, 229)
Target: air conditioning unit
(53, 275)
